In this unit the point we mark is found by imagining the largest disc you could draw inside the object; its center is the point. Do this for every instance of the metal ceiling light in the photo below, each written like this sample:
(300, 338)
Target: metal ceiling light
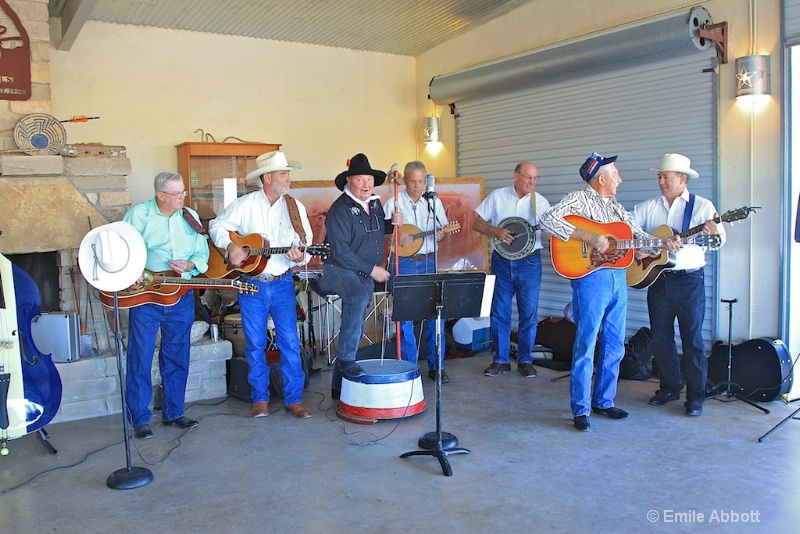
(752, 76)
(431, 126)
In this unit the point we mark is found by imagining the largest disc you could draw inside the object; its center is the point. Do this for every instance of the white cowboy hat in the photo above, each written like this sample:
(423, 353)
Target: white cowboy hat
(112, 256)
(271, 162)
(677, 163)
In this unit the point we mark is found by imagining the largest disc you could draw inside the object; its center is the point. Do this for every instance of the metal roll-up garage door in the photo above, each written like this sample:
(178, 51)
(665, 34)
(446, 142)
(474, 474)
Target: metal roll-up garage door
(639, 113)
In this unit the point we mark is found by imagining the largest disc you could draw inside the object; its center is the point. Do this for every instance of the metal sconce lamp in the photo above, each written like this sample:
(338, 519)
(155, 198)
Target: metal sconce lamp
(431, 127)
(752, 76)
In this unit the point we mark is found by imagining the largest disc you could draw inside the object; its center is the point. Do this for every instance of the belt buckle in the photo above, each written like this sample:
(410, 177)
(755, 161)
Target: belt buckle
(266, 277)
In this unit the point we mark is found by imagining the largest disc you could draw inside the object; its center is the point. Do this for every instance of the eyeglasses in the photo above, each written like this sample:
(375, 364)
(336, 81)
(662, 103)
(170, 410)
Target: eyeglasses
(176, 195)
(528, 177)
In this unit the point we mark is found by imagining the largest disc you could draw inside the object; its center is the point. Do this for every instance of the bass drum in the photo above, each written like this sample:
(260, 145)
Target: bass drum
(523, 242)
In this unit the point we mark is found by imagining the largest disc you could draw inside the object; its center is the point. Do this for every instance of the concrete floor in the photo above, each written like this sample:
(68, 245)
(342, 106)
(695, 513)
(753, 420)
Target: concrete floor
(529, 470)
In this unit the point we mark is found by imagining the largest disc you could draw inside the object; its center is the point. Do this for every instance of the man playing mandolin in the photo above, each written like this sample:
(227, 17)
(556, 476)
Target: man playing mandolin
(521, 276)
(172, 245)
(679, 291)
(428, 216)
(283, 222)
(599, 297)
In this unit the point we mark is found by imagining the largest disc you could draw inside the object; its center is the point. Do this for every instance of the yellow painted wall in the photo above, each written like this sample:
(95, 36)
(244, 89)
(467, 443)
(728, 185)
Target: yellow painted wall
(750, 259)
(152, 88)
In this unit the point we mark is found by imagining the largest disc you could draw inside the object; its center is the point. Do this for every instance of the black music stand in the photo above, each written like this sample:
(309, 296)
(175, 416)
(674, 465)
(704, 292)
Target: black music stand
(437, 296)
(728, 392)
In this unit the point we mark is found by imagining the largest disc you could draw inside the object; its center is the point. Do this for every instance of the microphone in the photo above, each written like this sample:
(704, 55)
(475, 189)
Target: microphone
(429, 184)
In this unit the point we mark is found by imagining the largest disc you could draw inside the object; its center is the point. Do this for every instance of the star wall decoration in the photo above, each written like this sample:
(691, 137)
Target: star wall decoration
(745, 78)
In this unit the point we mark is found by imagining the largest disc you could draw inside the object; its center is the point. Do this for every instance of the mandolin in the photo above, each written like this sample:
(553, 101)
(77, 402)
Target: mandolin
(419, 236)
(166, 290)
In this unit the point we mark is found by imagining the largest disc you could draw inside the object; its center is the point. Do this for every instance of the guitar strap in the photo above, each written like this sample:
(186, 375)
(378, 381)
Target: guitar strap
(294, 215)
(687, 212)
(197, 227)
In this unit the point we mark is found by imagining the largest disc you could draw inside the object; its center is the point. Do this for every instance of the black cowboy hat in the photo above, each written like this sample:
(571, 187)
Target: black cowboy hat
(359, 164)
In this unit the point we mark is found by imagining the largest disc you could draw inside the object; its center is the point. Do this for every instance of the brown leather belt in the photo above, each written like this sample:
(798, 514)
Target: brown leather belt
(416, 257)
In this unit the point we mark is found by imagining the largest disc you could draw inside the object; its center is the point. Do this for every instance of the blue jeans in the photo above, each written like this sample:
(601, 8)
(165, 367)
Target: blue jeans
(408, 340)
(523, 277)
(144, 322)
(680, 295)
(599, 302)
(356, 292)
(276, 299)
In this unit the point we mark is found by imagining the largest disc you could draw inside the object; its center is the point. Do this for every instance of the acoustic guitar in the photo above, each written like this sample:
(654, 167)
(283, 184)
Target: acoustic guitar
(259, 252)
(575, 259)
(419, 236)
(641, 273)
(158, 288)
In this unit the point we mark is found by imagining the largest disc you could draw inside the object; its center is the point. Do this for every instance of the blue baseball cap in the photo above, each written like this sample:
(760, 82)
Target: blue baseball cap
(594, 162)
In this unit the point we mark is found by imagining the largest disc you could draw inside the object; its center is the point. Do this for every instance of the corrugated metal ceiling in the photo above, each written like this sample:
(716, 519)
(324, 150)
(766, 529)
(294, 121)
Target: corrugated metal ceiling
(405, 27)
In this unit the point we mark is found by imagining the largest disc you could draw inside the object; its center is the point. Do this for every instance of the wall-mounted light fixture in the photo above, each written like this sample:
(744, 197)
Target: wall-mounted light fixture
(431, 129)
(752, 76)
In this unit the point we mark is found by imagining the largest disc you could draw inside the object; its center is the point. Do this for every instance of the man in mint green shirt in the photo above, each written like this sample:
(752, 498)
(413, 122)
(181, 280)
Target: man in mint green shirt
(172, 245)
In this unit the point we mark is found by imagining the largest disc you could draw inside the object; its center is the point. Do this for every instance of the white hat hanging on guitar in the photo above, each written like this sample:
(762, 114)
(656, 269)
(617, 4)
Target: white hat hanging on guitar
(112, 257)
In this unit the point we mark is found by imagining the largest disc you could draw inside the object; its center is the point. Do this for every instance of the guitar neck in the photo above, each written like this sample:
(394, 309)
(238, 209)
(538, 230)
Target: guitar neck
(269, 251)
(193, 282)
(650, 243)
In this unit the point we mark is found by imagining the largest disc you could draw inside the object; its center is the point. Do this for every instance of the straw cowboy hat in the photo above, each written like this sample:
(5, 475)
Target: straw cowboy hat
(271, 162)
(112, 257)
(359, 164)
(677, 163)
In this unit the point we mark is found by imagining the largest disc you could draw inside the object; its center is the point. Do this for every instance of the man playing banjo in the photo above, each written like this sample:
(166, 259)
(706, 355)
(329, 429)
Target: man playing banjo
(509, 216)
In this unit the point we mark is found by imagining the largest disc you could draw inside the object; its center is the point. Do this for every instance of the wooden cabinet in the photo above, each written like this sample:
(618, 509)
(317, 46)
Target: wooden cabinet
(207, 168)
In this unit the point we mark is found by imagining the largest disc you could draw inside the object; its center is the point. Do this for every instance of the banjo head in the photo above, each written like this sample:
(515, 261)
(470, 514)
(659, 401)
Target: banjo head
(524, 239)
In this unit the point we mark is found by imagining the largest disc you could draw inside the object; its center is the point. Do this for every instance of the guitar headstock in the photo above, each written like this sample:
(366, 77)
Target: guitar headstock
(452, 228)
(738, 214)
(244, 287)
(712, 241)
(323, 250)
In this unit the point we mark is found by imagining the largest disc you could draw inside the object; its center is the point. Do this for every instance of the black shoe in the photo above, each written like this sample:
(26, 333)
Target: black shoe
(143, 432)
(613, 412)
(432, 376)
(662, 397)
(352, 369)
(335, 394)
(693, 409)
(581, 422)
(183, 422)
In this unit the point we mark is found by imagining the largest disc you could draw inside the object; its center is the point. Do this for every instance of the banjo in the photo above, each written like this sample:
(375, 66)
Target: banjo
(523, 242)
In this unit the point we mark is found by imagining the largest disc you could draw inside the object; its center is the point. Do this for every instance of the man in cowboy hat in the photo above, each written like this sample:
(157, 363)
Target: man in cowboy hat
(599, 298)
(355, 230)
(522, 276)
(679, 291)
(268, 212)
(172, 245)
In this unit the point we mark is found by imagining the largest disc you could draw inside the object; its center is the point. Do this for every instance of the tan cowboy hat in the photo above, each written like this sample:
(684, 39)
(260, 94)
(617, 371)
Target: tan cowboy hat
(271, 162)
(677, 163)
(112, 257)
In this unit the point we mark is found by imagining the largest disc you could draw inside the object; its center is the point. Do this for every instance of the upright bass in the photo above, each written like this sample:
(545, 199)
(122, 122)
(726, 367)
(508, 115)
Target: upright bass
(30, 387)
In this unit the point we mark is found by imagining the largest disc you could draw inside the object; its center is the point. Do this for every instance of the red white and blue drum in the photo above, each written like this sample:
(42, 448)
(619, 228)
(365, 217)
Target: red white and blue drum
(389, 389)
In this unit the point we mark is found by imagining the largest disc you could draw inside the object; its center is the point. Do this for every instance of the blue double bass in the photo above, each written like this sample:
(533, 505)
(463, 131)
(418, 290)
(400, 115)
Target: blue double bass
(30, 387)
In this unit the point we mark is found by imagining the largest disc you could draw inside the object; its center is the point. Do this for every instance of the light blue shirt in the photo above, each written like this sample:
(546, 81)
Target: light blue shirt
(168, 238)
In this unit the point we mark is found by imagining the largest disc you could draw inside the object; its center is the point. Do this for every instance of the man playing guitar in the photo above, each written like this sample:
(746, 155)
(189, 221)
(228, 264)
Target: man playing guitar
(679, 291)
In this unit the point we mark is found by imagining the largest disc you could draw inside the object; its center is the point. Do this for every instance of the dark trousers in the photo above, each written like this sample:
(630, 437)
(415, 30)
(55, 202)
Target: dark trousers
(679, 295)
